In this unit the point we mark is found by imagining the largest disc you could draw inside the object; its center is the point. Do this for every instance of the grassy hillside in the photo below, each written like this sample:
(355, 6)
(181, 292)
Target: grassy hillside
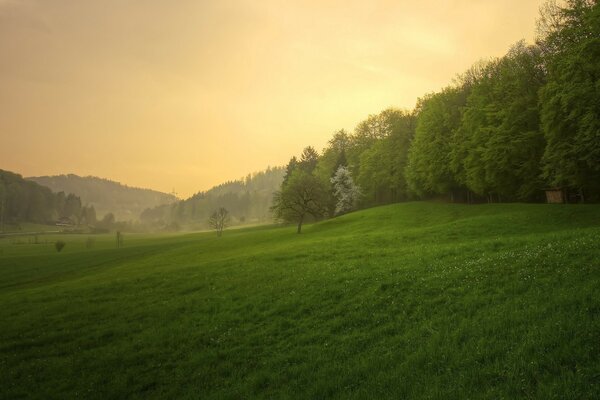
(414, 300)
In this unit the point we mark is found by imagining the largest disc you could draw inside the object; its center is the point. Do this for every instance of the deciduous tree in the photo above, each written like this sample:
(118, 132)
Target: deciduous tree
(345, 191)
(219, 220)
(303, 195)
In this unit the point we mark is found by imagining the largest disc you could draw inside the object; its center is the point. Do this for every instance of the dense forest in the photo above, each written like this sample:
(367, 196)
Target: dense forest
(247, 200)
(26, 201)
(504, 130)
(124, 202)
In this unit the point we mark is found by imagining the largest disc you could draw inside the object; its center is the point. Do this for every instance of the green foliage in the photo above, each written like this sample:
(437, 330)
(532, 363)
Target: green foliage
(290, 167)
(415, 301)
(308, 160)
(334, 155)
(302, 196)
(571, 100)
(247, 199)
(491, 133)
(499, 132)
(429, 160)
(382, 165)
(26, 201)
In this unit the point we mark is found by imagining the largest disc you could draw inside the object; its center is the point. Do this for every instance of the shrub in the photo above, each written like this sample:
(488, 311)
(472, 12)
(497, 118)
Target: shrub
(59, 245)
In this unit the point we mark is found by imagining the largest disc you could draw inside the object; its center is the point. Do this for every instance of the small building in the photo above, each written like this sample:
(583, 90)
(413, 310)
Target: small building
(555, 195)
(64, 221)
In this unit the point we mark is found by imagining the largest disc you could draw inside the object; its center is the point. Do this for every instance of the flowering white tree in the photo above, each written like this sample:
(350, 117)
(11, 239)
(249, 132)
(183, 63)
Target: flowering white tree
(346, 192)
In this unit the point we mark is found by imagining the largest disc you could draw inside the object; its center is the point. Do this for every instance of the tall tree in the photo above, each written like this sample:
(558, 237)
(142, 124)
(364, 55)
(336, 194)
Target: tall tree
(428, 170)
(72, 206)
(500, 131)
(381, 171)
(308, 160)
(88, 214)
(290, 168)
(570, 101)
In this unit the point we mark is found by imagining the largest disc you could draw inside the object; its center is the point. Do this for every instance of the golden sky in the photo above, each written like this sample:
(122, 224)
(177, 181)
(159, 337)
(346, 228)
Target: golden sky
(187, 94)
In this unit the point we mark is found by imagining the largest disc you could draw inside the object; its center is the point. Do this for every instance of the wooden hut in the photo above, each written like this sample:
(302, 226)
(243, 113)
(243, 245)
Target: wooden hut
(555, 195)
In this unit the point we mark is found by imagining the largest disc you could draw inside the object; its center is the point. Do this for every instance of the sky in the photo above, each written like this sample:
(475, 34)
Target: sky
(183, 95)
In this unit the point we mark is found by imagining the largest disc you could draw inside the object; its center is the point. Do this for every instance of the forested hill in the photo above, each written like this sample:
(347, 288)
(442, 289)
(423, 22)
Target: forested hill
(125, 202)
(248, 200)
(515, 128)
(26, 201)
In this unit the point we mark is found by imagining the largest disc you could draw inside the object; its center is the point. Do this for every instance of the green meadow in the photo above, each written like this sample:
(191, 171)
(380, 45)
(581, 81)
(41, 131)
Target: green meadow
(415, 300)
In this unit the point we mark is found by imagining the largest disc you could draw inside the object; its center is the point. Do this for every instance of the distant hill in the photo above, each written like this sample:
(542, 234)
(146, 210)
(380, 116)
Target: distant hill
(248, 201)
(125, 202)
(25, 201)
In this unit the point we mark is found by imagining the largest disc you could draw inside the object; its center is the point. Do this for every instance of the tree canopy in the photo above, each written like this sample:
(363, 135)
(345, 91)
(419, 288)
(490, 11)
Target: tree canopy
(504, 130)
(302, 196)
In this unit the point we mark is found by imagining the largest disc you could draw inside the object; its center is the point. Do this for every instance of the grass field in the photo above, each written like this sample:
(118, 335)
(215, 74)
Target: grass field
(414, 300)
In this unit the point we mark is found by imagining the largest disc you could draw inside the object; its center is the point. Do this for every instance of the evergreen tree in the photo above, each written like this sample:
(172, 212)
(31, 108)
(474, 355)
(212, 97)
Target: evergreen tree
(290, 168)
(308, 160)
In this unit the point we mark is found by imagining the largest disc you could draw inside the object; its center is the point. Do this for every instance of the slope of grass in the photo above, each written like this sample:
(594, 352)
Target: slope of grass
(414, 300)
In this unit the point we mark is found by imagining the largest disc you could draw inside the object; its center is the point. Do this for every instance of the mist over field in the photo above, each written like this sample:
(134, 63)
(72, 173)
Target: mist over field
(300, 200)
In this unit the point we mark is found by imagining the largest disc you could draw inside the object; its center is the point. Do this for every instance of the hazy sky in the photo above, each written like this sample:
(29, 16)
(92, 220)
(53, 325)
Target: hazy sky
(187, 94)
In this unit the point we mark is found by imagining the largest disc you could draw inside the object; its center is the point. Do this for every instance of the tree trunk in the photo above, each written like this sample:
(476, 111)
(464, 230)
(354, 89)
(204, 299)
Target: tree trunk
(300, 224)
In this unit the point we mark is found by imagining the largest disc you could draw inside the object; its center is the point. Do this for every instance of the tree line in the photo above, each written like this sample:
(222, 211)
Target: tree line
(504, 130)
(246, 200)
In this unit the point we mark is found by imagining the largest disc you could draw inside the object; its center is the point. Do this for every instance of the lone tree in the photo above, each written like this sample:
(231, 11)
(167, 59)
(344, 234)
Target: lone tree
(302, 195)
(219, 220)
(345, 191)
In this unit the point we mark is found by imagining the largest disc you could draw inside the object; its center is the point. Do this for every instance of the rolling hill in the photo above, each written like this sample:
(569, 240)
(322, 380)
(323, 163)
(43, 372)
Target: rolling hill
(125, 202)
(415, 300)
(23, 201)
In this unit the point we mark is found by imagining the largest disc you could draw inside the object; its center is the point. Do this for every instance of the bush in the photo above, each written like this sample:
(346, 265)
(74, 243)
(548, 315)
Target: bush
(59, 245)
